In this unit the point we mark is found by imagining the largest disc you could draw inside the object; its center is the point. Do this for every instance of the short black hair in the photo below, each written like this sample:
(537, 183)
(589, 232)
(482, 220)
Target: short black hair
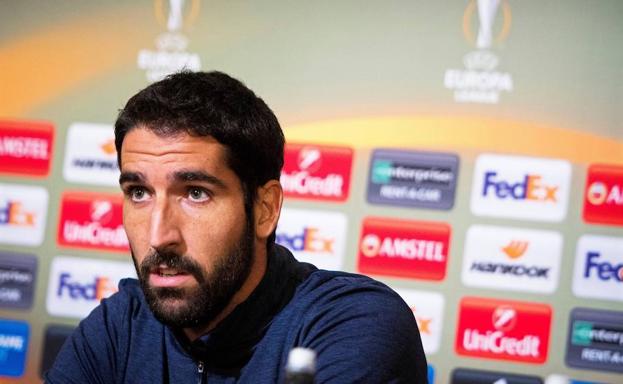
(217, 105)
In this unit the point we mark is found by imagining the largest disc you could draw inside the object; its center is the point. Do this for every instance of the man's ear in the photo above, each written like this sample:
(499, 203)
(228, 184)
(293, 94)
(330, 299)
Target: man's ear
(267, 208)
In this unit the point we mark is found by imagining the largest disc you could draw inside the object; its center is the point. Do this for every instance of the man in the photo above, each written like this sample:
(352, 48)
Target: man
(217, 300)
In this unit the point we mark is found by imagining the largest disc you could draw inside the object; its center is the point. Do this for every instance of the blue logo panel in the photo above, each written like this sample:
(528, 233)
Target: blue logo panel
(13, 347)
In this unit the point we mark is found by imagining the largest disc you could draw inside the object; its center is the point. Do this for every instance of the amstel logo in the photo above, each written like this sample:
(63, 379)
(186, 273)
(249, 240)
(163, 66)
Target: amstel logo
(603, 202)
(26, 147)
(404, 248)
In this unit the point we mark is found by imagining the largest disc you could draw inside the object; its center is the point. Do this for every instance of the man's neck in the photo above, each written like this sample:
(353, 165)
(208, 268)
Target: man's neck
(257, 272)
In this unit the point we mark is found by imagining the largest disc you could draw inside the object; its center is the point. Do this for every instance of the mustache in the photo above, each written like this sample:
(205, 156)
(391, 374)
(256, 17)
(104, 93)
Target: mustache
(172, 260)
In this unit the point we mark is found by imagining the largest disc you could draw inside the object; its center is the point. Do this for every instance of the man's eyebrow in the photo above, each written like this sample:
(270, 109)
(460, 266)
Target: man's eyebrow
(189, 176)
(131, 177)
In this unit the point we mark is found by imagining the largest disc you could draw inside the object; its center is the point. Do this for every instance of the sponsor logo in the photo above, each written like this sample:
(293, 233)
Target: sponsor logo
(18, 274)
(427, 309)
(78, 285)
(404, 248)
(413, 179)
(503, 330)
(171, 54)
(13, 347)
(521, 187)
(431, 374)
(314, 237)
(55, 336)
(598, 271)
(512, 258)
(90, 220)
(595, 340)
(26, 148)
(316, 173)
(473, 376)
(603, 200)
(480, 81)
(90, 155)
(23, 211)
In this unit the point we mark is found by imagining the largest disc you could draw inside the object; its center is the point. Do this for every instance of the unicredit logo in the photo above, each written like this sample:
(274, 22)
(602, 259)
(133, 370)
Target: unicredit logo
(316, 172)
(603, 202)
(404, 248)
(92, 221)
(308, 240)
(503, 330)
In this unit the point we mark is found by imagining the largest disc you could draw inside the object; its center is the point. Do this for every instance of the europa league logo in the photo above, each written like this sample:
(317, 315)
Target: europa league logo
(487, 13)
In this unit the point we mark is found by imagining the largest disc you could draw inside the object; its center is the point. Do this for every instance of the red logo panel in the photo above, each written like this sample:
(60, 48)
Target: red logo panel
(92, 220)
(603, 196)
(413, 249)
(26, 147)
(317, 172)
(503, 330)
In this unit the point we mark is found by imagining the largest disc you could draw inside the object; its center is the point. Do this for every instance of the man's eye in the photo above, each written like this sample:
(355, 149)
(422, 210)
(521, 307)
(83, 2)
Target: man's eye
(138, 194)
(198, 194)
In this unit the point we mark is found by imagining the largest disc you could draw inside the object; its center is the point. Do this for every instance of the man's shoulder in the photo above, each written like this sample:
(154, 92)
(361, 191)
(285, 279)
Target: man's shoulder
(331, 288)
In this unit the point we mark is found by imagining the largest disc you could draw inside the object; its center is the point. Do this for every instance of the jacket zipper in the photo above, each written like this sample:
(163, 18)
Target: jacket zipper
(200, 369)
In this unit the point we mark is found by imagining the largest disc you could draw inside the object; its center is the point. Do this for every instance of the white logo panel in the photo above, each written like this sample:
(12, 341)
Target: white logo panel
(78, 285)
(316, 237)
(521, 187)
(23, 212)
(512, 258)
(90, 155)
(427, 308)
(598, 271)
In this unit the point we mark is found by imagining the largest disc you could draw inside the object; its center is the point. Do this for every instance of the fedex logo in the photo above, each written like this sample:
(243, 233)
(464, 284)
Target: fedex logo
(521, 187)
(404, 248)
(308, 240)
(92, 220)
(529, 188)
(316, 237)
(13, 213)
(512, 258)
(603, 200)
(427, 308)
(26, 147)
(90, 155)
(99, 288)
(316, 172)
(77, 285)
(598, 271)
(23, 211)
(503, 330)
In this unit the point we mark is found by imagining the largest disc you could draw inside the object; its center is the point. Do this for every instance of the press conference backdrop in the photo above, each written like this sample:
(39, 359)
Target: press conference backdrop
(467, 153)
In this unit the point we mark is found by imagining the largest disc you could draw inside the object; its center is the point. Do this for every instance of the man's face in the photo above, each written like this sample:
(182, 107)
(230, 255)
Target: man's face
(184, 215)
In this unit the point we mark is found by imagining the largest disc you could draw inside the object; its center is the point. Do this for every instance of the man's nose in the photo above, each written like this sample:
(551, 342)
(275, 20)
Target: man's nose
(164, 230)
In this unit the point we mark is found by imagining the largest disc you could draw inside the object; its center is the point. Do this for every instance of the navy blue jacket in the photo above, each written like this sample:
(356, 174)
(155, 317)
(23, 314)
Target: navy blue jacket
(360, 329)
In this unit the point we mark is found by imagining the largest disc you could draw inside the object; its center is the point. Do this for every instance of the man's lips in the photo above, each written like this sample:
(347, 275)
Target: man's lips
(167, 277)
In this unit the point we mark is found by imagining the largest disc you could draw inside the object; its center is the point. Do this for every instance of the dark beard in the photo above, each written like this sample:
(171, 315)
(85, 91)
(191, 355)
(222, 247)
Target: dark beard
(203, 303)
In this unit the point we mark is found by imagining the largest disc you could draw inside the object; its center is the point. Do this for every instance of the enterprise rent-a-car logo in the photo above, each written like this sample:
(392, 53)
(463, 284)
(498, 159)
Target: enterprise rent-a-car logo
(413, 179)
(521, 187)
(595, 340)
